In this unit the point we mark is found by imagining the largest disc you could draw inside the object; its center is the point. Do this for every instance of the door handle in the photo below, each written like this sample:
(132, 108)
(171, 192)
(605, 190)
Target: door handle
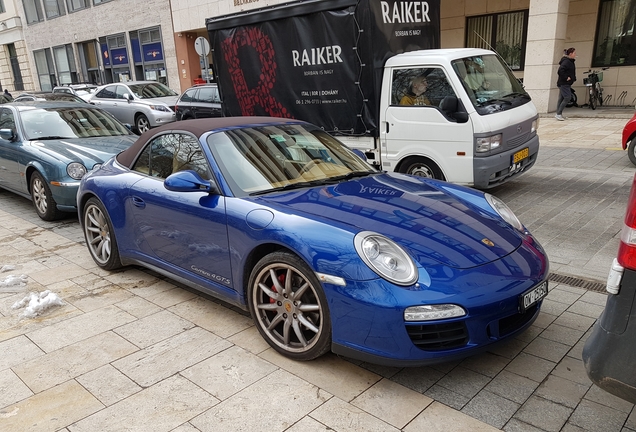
(138, 202)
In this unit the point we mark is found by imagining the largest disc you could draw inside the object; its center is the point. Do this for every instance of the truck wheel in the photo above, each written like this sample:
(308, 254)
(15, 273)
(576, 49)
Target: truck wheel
(421, 167)
(631, 150)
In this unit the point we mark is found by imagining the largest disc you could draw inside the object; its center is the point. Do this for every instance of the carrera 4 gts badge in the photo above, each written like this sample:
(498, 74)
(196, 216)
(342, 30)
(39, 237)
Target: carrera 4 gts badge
(487, 242)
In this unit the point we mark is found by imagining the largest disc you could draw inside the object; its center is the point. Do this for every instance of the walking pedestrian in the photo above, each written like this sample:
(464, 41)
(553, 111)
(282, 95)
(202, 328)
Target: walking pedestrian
(567, 77)
(8, 95)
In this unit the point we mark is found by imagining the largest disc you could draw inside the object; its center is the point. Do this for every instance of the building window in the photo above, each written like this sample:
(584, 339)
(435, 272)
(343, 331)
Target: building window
(505, 33)
(33, 11)
(75, 5)
(97, 2)
(615, 34)
(44, 66)
(54, 8)
(65, 64)
(18, 84)
(2, 8)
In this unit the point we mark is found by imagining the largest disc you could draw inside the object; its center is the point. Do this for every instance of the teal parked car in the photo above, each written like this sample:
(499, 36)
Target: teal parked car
(47, 147)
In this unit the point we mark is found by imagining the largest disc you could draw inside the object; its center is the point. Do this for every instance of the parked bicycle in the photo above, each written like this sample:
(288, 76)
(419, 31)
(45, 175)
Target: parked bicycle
(593, 82)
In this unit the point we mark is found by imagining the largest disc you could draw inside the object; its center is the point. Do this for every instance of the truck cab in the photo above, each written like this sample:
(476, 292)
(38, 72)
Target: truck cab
(475, 124)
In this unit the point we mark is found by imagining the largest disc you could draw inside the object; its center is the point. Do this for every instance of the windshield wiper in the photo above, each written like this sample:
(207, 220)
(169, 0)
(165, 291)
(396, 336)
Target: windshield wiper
(290, 186)
(52, 137)
(353, 174)
(518, 94)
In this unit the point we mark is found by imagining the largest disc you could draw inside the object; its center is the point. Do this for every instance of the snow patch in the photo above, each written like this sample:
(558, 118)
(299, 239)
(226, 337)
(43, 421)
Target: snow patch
(10, 283)
(37, 303)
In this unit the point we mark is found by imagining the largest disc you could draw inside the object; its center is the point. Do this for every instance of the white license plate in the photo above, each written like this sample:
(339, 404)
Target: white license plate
(532, 296)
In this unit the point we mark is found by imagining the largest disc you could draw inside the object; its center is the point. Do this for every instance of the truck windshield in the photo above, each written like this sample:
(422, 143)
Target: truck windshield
(490, 84)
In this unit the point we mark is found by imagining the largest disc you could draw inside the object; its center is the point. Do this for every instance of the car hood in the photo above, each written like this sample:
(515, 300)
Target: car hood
(168, 100)
(429, 219)
(89, 151)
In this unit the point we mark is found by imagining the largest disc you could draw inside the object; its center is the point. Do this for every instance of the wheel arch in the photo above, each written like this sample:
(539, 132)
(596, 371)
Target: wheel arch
(255, 255)
(414, 157)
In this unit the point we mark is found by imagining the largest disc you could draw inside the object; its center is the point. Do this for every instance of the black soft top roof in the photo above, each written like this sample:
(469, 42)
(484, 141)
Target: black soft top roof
(195, 127)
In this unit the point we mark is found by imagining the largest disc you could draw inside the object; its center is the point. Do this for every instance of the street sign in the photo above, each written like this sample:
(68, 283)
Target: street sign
(202, 46)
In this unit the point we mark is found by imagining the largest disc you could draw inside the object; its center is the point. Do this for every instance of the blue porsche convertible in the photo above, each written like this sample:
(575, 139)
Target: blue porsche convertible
(281, 219)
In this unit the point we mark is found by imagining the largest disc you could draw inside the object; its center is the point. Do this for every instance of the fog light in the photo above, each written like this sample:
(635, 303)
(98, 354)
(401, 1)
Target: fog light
(433, 312)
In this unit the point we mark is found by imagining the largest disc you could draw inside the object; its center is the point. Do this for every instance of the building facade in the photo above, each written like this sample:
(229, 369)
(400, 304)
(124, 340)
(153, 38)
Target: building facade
(50, 42)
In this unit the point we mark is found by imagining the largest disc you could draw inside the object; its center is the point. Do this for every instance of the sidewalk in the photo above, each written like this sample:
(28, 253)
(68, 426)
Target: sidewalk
(134, 351)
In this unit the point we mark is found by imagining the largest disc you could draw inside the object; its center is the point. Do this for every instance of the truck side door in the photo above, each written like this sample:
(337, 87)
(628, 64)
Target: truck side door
(417, 136)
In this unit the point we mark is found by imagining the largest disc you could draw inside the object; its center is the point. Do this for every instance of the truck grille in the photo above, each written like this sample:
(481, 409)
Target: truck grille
(518, 140)
(435, 337)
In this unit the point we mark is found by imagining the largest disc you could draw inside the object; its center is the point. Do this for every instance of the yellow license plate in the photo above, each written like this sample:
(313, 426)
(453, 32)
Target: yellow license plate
(520, 155)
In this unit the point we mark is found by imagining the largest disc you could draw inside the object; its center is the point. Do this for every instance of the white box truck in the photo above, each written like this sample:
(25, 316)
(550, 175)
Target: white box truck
(371, 73)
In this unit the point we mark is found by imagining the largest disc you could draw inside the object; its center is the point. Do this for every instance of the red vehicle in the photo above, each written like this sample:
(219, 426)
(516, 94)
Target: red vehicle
(609, 354)
(629, 139)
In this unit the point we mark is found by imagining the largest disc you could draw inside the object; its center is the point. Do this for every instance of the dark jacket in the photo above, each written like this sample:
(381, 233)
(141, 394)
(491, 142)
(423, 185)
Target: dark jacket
(566, 69)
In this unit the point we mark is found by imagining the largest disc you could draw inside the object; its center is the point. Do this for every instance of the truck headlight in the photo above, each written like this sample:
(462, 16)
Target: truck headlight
(485, 144)
(386, 258)
(535, 126)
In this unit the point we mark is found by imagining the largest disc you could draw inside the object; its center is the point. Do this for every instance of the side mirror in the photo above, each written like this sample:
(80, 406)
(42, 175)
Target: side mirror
(127, 97)
(7, 134)
(453, 109)
(189, 181)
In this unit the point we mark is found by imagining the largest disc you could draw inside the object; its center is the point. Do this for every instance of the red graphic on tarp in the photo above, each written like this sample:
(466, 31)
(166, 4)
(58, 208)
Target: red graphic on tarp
(249, 98)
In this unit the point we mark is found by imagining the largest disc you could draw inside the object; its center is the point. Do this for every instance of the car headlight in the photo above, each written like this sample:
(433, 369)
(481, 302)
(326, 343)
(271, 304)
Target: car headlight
(504, 211)
(386, 258)
(433, 312)
(485, 144)
(160, 108)
(76, 170)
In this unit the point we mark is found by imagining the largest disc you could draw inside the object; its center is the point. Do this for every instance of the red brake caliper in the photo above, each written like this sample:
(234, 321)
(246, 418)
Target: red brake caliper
(281, 279)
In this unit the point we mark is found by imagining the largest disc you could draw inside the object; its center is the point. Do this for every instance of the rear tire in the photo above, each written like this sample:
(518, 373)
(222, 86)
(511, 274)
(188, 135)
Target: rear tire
(421, 167)
(100, 236)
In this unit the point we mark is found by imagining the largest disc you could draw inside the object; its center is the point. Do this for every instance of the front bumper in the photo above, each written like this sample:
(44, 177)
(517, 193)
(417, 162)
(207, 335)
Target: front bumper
(65, 196)
(158, 118)
(494, 170)
(368, 317)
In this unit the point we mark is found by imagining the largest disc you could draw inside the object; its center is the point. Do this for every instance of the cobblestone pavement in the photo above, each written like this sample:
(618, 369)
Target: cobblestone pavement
(133, 351)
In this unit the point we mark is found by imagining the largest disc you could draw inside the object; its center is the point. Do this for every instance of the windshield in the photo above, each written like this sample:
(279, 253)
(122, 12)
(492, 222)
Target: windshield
(59, 123)
(152, 90)
(260, 159)
(490, 84)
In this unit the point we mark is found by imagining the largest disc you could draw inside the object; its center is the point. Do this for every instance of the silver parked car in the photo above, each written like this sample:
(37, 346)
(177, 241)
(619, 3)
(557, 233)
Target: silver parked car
(144, 104)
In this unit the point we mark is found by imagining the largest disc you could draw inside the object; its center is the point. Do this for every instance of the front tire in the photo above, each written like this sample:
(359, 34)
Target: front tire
(421, 167)
(100, 236)
(592, 99)
(289, 307)
(45, 205)
(142, 124)
(631, 150)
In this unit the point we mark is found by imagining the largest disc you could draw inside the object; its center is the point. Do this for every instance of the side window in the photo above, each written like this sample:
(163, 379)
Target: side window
(171, 153)
(121, 90)
(189, 95)
(206, 94)
(7, 120)
(420, 86)
(217, 97)
(107, 93)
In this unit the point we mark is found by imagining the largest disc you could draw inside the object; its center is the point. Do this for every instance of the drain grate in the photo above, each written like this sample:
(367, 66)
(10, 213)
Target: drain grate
(587, 284)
